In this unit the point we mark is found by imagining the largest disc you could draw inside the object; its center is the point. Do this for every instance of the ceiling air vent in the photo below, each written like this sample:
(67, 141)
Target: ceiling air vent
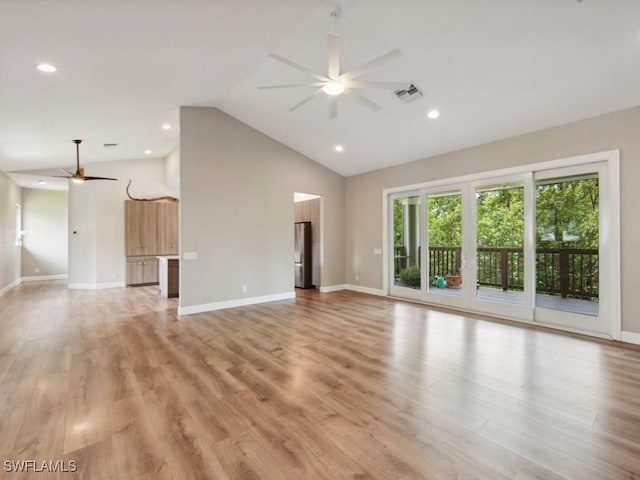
(109, 145)
(409, 94)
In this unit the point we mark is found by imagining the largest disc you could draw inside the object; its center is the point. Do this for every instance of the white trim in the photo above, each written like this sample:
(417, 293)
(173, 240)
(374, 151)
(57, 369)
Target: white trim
(367, 290)
(39, 278)
(13, 284)
(535, 167)
(630, 337)
(387, 246)
(238, 302)
(615, 290)
(94, 286)
(332, 288)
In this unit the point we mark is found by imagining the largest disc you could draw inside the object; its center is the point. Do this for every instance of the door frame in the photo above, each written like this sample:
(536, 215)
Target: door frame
(610, 225)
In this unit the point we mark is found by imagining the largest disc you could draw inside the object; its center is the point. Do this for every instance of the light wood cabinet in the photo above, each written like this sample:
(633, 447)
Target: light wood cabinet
(167, 228)
(142, 270)
(141, 228)
(151, 228)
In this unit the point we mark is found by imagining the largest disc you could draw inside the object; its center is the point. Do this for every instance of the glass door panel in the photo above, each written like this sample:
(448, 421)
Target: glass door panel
(444, 260)
(406, 244)
(500, 261)
(567, 244)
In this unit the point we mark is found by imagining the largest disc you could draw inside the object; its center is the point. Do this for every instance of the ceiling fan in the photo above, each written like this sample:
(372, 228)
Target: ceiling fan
(79, 176)
(336, 83)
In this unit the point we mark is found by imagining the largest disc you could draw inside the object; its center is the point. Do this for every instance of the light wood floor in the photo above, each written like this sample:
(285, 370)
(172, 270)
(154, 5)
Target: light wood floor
(327, 386)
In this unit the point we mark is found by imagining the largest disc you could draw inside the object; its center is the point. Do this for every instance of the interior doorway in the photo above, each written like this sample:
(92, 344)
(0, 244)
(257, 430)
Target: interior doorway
(308, 208)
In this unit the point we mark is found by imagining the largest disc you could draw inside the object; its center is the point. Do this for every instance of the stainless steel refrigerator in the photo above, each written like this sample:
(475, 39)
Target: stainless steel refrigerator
(302, 255)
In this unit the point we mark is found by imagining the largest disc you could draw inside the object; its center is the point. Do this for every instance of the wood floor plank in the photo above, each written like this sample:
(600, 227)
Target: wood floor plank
(322, 387)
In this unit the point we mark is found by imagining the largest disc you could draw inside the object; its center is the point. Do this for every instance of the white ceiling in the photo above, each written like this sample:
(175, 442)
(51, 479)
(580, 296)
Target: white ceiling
(494, 68)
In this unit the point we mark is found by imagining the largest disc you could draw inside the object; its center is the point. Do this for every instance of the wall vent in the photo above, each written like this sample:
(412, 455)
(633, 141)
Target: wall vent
(109, 145)
(409, 94)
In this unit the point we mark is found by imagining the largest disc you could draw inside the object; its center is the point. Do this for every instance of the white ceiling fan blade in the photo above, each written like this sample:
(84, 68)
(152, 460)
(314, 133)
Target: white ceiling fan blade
(293, 85)
(333, 106)
(362, 100)
(333, 54)
(298, 67)
(376, 62)
(299, 104)
(384, 85)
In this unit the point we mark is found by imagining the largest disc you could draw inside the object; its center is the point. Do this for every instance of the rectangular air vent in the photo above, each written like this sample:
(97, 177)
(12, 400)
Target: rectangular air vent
(409, 94)
(109, 145)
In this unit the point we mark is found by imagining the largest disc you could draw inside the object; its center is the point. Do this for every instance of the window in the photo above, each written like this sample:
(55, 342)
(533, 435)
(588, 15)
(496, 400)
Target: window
(19, 232)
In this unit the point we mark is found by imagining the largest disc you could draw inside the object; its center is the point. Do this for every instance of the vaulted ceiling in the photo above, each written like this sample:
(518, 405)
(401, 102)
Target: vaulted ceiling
(493, 68)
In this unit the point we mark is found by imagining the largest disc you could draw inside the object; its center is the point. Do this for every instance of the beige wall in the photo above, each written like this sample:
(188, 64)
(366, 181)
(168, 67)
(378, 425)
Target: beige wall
(172, 171)
(44, 246)
(236, 210)
(619, 130)
(9, 253)
(96, 213)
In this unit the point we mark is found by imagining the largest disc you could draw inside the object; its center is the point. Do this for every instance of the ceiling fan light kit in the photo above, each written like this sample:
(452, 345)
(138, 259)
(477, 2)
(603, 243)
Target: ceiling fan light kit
(335, 83)
(78, 176)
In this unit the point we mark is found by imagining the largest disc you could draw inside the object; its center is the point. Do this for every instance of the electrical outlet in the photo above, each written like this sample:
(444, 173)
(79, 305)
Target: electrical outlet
(357, 278)
(244, 288)
(37, 270)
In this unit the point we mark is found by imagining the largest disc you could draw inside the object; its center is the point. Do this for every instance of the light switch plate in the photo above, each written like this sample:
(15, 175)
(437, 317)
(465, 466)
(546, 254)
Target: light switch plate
(377, 251)
(190, 255)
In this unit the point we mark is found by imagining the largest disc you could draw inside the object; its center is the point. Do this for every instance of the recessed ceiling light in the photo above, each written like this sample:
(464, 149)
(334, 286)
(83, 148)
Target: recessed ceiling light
(148, 152)
(46, 67)
(166, 126)
(42, 182)
(433, 114)
(339, 148)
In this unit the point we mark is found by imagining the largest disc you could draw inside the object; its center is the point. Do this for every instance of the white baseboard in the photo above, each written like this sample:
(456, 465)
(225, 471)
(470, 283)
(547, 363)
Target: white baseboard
(13, 284)
(353, 288)
(332, 288)
(367, 290)
(94, 286)
(631, 337)
(238, 302)
(38, 278)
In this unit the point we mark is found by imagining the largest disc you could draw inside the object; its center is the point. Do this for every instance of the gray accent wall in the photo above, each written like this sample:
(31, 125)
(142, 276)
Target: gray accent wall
(10, 253)
(619, 130)
(237, 211)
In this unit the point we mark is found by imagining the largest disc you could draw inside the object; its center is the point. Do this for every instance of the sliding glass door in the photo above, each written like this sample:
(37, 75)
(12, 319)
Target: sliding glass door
(531, 246)
(501, 260)
(571, 263)
(406, 272)
(445, 236)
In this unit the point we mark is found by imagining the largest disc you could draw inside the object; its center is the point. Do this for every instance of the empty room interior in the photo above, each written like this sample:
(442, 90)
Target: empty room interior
(292, 239)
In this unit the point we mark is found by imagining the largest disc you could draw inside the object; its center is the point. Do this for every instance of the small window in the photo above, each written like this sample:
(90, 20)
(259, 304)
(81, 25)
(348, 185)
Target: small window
(19, 232)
